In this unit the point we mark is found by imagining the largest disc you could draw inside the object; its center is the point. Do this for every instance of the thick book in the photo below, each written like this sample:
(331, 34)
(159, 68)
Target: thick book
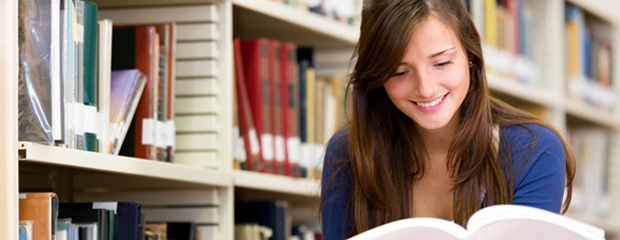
(255, 55)
(104, 83)
(275, 85)
(35, 80)
(41, 209)
(87, 76)
(290, 109)
(247, 128)
(135, 47)
(495, 222)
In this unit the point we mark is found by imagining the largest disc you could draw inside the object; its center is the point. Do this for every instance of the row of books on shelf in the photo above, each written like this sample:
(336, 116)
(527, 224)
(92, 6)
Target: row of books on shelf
(592, 146)
(508, 37)
(589, 60)
(89, 85)
(272, 220)
(345, 11)
(159, 215)
(284, 114)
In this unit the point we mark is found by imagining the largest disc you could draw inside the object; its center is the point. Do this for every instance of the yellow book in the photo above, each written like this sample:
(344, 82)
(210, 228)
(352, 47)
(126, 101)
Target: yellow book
(490, 21)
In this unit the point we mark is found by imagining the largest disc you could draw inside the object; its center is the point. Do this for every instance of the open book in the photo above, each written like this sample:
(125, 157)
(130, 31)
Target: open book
(506, 222)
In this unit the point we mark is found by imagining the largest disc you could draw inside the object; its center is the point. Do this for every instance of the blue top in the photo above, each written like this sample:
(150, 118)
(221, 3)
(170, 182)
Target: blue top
(539, 183)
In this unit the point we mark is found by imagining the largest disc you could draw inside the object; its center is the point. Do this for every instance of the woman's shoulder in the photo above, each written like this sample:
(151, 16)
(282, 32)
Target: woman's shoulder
(532, 135)
(338, 145)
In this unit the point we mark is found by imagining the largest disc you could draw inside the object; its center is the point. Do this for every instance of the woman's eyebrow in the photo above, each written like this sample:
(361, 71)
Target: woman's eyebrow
(441, 52)
(432, 55)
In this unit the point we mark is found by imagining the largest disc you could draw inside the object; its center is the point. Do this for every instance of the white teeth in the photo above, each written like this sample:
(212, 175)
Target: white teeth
(431, 104)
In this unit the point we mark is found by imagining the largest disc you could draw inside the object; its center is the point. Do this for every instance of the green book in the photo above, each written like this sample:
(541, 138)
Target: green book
(87, 17)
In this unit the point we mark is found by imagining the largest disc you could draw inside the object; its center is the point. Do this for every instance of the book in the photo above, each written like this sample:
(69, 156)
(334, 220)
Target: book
(104, 83)
(34, 76)
(41, 209)
(87, 76)
(275, 95)
(495, 222)
(25, 230)
(126, 89)
(290, 110)
(247, 128)
(255, 55)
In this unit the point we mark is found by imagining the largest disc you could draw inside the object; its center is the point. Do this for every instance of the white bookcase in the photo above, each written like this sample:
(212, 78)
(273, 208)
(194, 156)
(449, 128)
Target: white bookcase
(263, 18)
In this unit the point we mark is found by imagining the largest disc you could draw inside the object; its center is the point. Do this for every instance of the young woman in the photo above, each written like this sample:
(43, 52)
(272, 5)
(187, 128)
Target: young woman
(424, 137)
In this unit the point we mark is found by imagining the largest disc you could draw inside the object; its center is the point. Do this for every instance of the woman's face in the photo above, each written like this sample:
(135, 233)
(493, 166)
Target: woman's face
(432, 79)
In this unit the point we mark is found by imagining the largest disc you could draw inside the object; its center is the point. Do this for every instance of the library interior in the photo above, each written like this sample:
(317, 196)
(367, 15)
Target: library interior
(209, 119)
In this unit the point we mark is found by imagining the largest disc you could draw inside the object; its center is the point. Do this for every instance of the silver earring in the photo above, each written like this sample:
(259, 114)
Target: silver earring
(471, 64)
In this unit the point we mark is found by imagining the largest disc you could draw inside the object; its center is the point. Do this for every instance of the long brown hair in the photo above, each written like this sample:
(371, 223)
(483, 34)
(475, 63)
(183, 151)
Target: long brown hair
(385, 151)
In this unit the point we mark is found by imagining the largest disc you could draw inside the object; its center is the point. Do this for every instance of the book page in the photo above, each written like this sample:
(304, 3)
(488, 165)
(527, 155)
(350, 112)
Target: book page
(416, 228)
(493, 214)
(517, 229)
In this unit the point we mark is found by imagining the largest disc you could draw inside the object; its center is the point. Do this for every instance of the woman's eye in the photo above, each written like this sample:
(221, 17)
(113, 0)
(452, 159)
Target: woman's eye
(443, 64)
(399, 74)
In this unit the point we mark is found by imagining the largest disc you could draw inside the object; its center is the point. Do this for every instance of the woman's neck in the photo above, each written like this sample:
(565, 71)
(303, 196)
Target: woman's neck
(437, 141)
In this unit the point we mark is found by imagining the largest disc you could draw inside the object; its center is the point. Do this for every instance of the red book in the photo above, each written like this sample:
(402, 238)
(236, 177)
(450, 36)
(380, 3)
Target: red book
(136, 47)
(276, 107)
(255, 56)
(246, 123)
(290, 111)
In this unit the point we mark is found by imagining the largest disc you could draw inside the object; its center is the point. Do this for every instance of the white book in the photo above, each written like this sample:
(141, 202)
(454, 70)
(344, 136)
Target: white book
(195, 105)
(207, 159)
(190, 87)
(197, 31)
(200, 123)
(507, 222)
(150, 15)
(104, 81)
(199, 215)
(196, 68)
(200, 141)
(155, 198)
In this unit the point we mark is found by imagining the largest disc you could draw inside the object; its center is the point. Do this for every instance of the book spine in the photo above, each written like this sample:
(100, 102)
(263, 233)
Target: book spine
(89, 73)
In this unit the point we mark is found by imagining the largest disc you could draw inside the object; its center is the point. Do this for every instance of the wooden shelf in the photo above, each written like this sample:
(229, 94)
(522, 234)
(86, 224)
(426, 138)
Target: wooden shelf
(589, 114)
(268, 19)
(523, 92)
(276, 183)
(103, 165)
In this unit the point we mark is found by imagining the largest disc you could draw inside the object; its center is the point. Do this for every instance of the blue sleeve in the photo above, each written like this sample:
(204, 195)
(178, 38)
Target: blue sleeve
(539, 177)
(336, 184)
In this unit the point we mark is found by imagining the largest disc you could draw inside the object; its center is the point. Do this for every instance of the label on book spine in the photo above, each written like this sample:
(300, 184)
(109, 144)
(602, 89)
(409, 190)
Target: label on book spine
(293, 145)
(91, 119)
(79, 111)
(160, 134)
(267, 146)
(254, 145)
(239, 148)
(280, 151)
(148, 130)
(170, 133)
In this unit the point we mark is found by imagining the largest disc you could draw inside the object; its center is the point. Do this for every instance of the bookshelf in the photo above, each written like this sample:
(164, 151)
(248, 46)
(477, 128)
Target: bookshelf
(8, 130)
(263, 18)
(275, 183)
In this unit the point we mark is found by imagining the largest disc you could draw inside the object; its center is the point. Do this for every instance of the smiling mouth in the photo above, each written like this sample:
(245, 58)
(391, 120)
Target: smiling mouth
(432, 103)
